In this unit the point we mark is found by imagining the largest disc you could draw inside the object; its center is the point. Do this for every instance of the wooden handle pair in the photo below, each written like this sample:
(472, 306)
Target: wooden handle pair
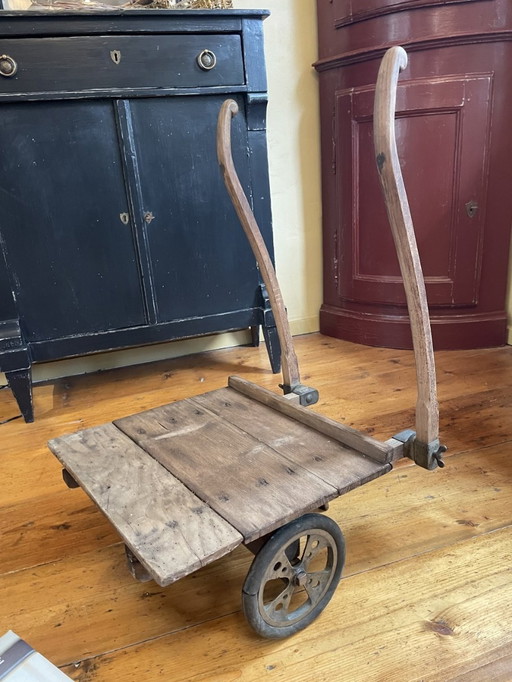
(427, 413)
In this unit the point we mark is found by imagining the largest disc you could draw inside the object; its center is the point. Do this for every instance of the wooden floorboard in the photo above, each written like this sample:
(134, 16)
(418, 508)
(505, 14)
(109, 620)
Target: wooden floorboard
(416, 628)
(427, 587)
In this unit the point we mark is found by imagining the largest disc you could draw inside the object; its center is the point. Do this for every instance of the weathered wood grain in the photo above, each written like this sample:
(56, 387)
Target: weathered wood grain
(428, 510)
(250, 485)
(338, 465)
(167, 527)
(399, 214)
(378, 451)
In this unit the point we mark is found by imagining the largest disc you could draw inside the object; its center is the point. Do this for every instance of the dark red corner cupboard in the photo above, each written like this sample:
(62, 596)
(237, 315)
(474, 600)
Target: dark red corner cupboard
(454, 135)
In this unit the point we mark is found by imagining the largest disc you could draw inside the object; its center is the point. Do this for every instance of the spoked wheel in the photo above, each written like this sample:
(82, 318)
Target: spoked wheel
(293, 576)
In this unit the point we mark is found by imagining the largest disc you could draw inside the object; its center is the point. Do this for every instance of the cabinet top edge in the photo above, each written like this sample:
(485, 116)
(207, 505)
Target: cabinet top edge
(34, 14)
(40, 24)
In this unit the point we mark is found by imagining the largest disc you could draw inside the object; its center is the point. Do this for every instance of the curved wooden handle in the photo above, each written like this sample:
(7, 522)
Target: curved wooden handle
(291, 377)
(427, 410)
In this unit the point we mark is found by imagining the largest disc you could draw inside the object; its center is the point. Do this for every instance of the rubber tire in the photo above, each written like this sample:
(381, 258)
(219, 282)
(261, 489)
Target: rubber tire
(252, 585)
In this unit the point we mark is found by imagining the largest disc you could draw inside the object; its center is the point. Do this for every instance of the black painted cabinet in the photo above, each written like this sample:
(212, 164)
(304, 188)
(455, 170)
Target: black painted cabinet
(115, 226)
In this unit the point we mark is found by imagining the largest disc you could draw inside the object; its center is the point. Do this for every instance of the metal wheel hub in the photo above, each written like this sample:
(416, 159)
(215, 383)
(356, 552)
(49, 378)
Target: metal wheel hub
(300, 577)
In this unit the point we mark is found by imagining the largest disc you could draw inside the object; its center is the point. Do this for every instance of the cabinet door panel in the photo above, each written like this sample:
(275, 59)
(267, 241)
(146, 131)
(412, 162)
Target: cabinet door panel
(200, 259)
(71, 258)
(441, 124)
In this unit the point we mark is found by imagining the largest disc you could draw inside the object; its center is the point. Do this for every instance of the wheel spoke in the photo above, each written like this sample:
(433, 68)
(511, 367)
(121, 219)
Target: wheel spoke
(277, 609)
(316, 584)
(280, 568)
(293, 551)
(314, 545)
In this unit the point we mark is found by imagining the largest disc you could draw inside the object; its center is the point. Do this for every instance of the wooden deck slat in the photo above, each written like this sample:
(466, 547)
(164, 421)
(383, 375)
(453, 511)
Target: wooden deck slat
(380, 452)
(340, 466)
(248, 483)
(167, 527)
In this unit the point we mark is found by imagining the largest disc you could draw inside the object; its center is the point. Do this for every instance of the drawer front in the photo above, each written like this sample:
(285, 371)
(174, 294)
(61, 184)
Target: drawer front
(77, 64)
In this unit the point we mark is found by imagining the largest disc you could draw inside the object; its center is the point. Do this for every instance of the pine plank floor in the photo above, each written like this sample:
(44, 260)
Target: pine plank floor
(427, 588)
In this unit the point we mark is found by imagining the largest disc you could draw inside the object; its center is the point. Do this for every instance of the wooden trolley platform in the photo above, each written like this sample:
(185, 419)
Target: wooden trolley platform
(186, 483)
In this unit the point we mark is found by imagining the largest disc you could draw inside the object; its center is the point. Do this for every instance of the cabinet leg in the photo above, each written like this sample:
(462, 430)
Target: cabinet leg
(270, 333)
(20, 383)
(255, 336)
(273, 348)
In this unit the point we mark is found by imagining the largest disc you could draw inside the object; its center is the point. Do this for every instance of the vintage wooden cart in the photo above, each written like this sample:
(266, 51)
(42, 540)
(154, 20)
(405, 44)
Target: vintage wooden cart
(186, 483)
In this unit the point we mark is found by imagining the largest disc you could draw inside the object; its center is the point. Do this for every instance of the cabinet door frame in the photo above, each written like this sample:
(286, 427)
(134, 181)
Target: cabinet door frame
(421, 97)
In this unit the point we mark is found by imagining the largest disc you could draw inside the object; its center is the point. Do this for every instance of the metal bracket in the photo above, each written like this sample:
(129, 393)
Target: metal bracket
(426, 455)
(307, 396)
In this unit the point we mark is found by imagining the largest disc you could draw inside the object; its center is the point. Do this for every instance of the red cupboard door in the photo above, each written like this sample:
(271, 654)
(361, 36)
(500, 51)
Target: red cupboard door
(443, 129)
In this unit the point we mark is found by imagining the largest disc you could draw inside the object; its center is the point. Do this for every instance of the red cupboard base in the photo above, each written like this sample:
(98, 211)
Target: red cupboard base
(461, 332)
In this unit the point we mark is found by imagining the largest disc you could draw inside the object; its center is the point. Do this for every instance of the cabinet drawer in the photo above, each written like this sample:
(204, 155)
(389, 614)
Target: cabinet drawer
(79, 64)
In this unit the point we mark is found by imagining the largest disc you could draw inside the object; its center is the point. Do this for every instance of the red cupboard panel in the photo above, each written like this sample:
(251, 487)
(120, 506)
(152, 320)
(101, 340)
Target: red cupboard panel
(443, 129)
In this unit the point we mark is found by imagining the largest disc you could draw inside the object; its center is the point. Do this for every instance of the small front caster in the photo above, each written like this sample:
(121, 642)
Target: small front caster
(69, 480)
(138, 571)
(293, 576)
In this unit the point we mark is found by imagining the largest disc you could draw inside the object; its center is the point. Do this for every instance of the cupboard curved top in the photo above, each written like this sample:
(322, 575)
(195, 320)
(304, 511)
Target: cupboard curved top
(351, 32)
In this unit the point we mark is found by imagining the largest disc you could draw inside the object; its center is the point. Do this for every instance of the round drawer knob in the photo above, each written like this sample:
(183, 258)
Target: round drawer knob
(8, 66)
(206, 60)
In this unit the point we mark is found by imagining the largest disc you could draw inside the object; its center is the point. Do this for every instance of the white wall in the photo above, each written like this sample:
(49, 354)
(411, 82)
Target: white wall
(294, 154)
(294, 161)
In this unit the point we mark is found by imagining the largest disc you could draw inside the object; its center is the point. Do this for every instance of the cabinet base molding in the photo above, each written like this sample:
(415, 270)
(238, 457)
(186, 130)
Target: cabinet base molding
(393, 331)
